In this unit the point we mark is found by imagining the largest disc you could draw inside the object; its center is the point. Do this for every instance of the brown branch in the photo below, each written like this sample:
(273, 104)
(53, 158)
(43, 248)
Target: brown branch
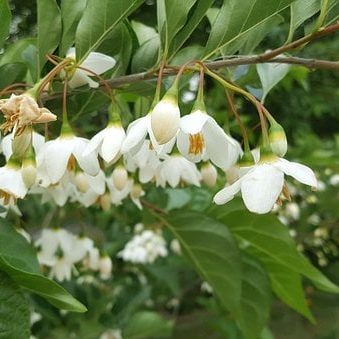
(268, 57)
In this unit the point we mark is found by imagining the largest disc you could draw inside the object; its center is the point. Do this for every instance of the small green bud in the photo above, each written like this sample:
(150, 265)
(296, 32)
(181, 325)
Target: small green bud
(278, 140)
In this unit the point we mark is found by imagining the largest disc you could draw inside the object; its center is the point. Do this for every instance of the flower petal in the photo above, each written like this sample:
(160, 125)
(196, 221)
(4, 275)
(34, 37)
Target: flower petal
(222, 149)
(95, 142)
(299, 172)
(98, 63)
(136, 132)
(112, 142)
(89, 164)
(227, 193)
(56, 154)
(261, 187)
(193, 122)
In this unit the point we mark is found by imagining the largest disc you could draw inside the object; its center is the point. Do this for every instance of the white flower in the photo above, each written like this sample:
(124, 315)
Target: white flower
(200, 137)
(278, 140)
(22, 110)
(108, 142)
(136, 193)
(21, 141)
(12, 185)
(334, 180)
(292, 211)
(209, 174)
(175, 169)
(144, 248)
(105, 267)
(136, 134)
(96, 62)
(56, 156)
(262, 184)
(111, 334)
(165, 119)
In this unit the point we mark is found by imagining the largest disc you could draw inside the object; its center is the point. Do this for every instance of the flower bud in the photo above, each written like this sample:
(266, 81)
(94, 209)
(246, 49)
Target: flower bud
(105, 267)
(165, 117)
(28, 172)
(105, 202)
(81, 182)
(209, 174)
(136, 191)
(278, 140)
(120, 177)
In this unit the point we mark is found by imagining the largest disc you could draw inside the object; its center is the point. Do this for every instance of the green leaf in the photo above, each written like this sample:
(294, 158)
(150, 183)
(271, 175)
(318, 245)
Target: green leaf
(172, 16)
(147, 324)
(18, 260)
(49, 29)
(270, 75)
(143, 32)
(11, 73)
(270, 238)
(23, 51)
(5, 18)
(198, 13)
(71, 12)
(287, 285)
(98, 20)
(301, 10)
(14, 310)
(255, 298)
(213, 251)
(235, 18)
(146, 55)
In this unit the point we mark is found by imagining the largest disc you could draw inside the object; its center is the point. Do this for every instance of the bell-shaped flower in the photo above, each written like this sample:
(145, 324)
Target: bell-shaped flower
(62, 154)
(175, 169)
(21, 111)
(201, 138)
(96, 62)
(19, 144)
(108, 142)
(165, 116)
(209, 174)
(263, 183)
(12, 185)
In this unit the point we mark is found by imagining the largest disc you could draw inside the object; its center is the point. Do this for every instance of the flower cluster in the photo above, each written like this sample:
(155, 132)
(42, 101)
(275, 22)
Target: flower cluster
(161, 147)
(145, 247)
(63, 252)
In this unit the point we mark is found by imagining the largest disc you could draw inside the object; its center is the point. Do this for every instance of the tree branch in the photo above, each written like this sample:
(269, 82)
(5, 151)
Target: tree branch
(268, 57)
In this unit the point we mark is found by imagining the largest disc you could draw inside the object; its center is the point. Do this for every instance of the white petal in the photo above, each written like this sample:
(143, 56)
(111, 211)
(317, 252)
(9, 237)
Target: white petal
(78, 79)
(56, 154)
(38, 141)
(299, 172)
(6, 145)
(95, 142)
(193, 122)
(12, 183)
(227, 193)
(136, 133)
(221, 148)
(97, 183)
(98, 63)
(261, 187)
(112, 142)
(89, 164)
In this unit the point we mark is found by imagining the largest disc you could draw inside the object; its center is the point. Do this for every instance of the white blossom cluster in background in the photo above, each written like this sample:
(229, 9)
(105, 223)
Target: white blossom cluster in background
(64, 253)
(144, 247)
(162, 147)
(304, 216)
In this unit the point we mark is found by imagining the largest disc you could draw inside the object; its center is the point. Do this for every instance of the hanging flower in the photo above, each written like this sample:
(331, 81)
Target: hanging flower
(96, 62)
(22, 110)
(165, 116)
(263, 183)
(176, 169)
(200, 137)
(62, 154)
(12, 185)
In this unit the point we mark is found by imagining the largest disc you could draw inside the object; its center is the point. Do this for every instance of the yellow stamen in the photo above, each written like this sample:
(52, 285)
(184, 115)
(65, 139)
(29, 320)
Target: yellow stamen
(197, 143)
